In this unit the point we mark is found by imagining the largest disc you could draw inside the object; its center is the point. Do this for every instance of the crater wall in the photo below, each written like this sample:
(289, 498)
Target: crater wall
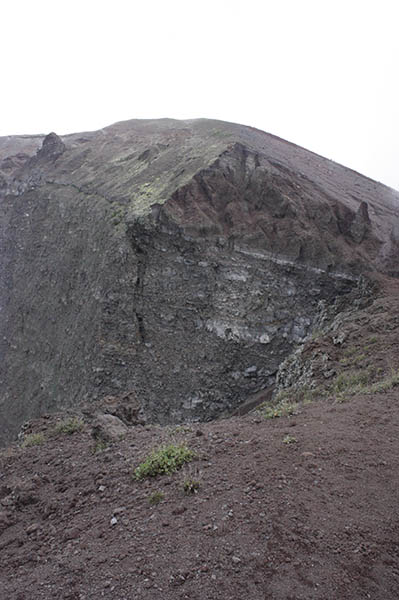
(179, 262)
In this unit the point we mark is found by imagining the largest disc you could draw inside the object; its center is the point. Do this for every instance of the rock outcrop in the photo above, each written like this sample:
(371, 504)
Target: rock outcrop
(180, 261)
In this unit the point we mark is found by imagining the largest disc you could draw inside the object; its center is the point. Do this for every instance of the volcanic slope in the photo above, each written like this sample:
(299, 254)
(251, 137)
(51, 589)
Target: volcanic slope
(176, 262)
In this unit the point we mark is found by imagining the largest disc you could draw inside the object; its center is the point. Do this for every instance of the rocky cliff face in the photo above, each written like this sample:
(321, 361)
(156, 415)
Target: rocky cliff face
(179, 261)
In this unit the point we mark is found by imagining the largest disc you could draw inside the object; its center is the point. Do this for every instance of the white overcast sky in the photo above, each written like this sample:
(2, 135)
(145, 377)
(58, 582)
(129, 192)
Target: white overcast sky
(323, 74)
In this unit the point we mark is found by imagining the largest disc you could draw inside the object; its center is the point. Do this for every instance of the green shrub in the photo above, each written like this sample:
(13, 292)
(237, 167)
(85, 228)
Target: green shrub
(164, 460)
(283, 409)
(361, 382)
(190, 486)
(70, 426)
(156, 498)
(295, 395)
(34, 439)
(352, 382)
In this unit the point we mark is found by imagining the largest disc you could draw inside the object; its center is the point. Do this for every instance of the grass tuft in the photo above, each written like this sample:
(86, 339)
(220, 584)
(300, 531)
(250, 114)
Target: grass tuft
(385, 384)
(100, 446)
(34, 439)
(155, 498)
(361, 382)
(191, 486)
(163, 461)
(70, 426)
(351, 382)
(283, 409)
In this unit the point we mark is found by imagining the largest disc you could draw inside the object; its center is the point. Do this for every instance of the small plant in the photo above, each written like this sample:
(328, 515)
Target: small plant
(284, 396)
(386, 384)
(361, 382)
(163, 461)
(182, 429)
(190, 486)
(290, 439)
(288, 400)
(99, 446)
(155, 498)
(70, 426)
(283, 409)
(34, 439)
(352, 382)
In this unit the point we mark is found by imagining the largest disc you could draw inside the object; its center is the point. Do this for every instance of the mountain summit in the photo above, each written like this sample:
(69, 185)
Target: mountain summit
(174, 265)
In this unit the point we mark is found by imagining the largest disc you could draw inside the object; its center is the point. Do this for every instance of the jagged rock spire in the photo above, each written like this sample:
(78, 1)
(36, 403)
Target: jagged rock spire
(52, 147)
